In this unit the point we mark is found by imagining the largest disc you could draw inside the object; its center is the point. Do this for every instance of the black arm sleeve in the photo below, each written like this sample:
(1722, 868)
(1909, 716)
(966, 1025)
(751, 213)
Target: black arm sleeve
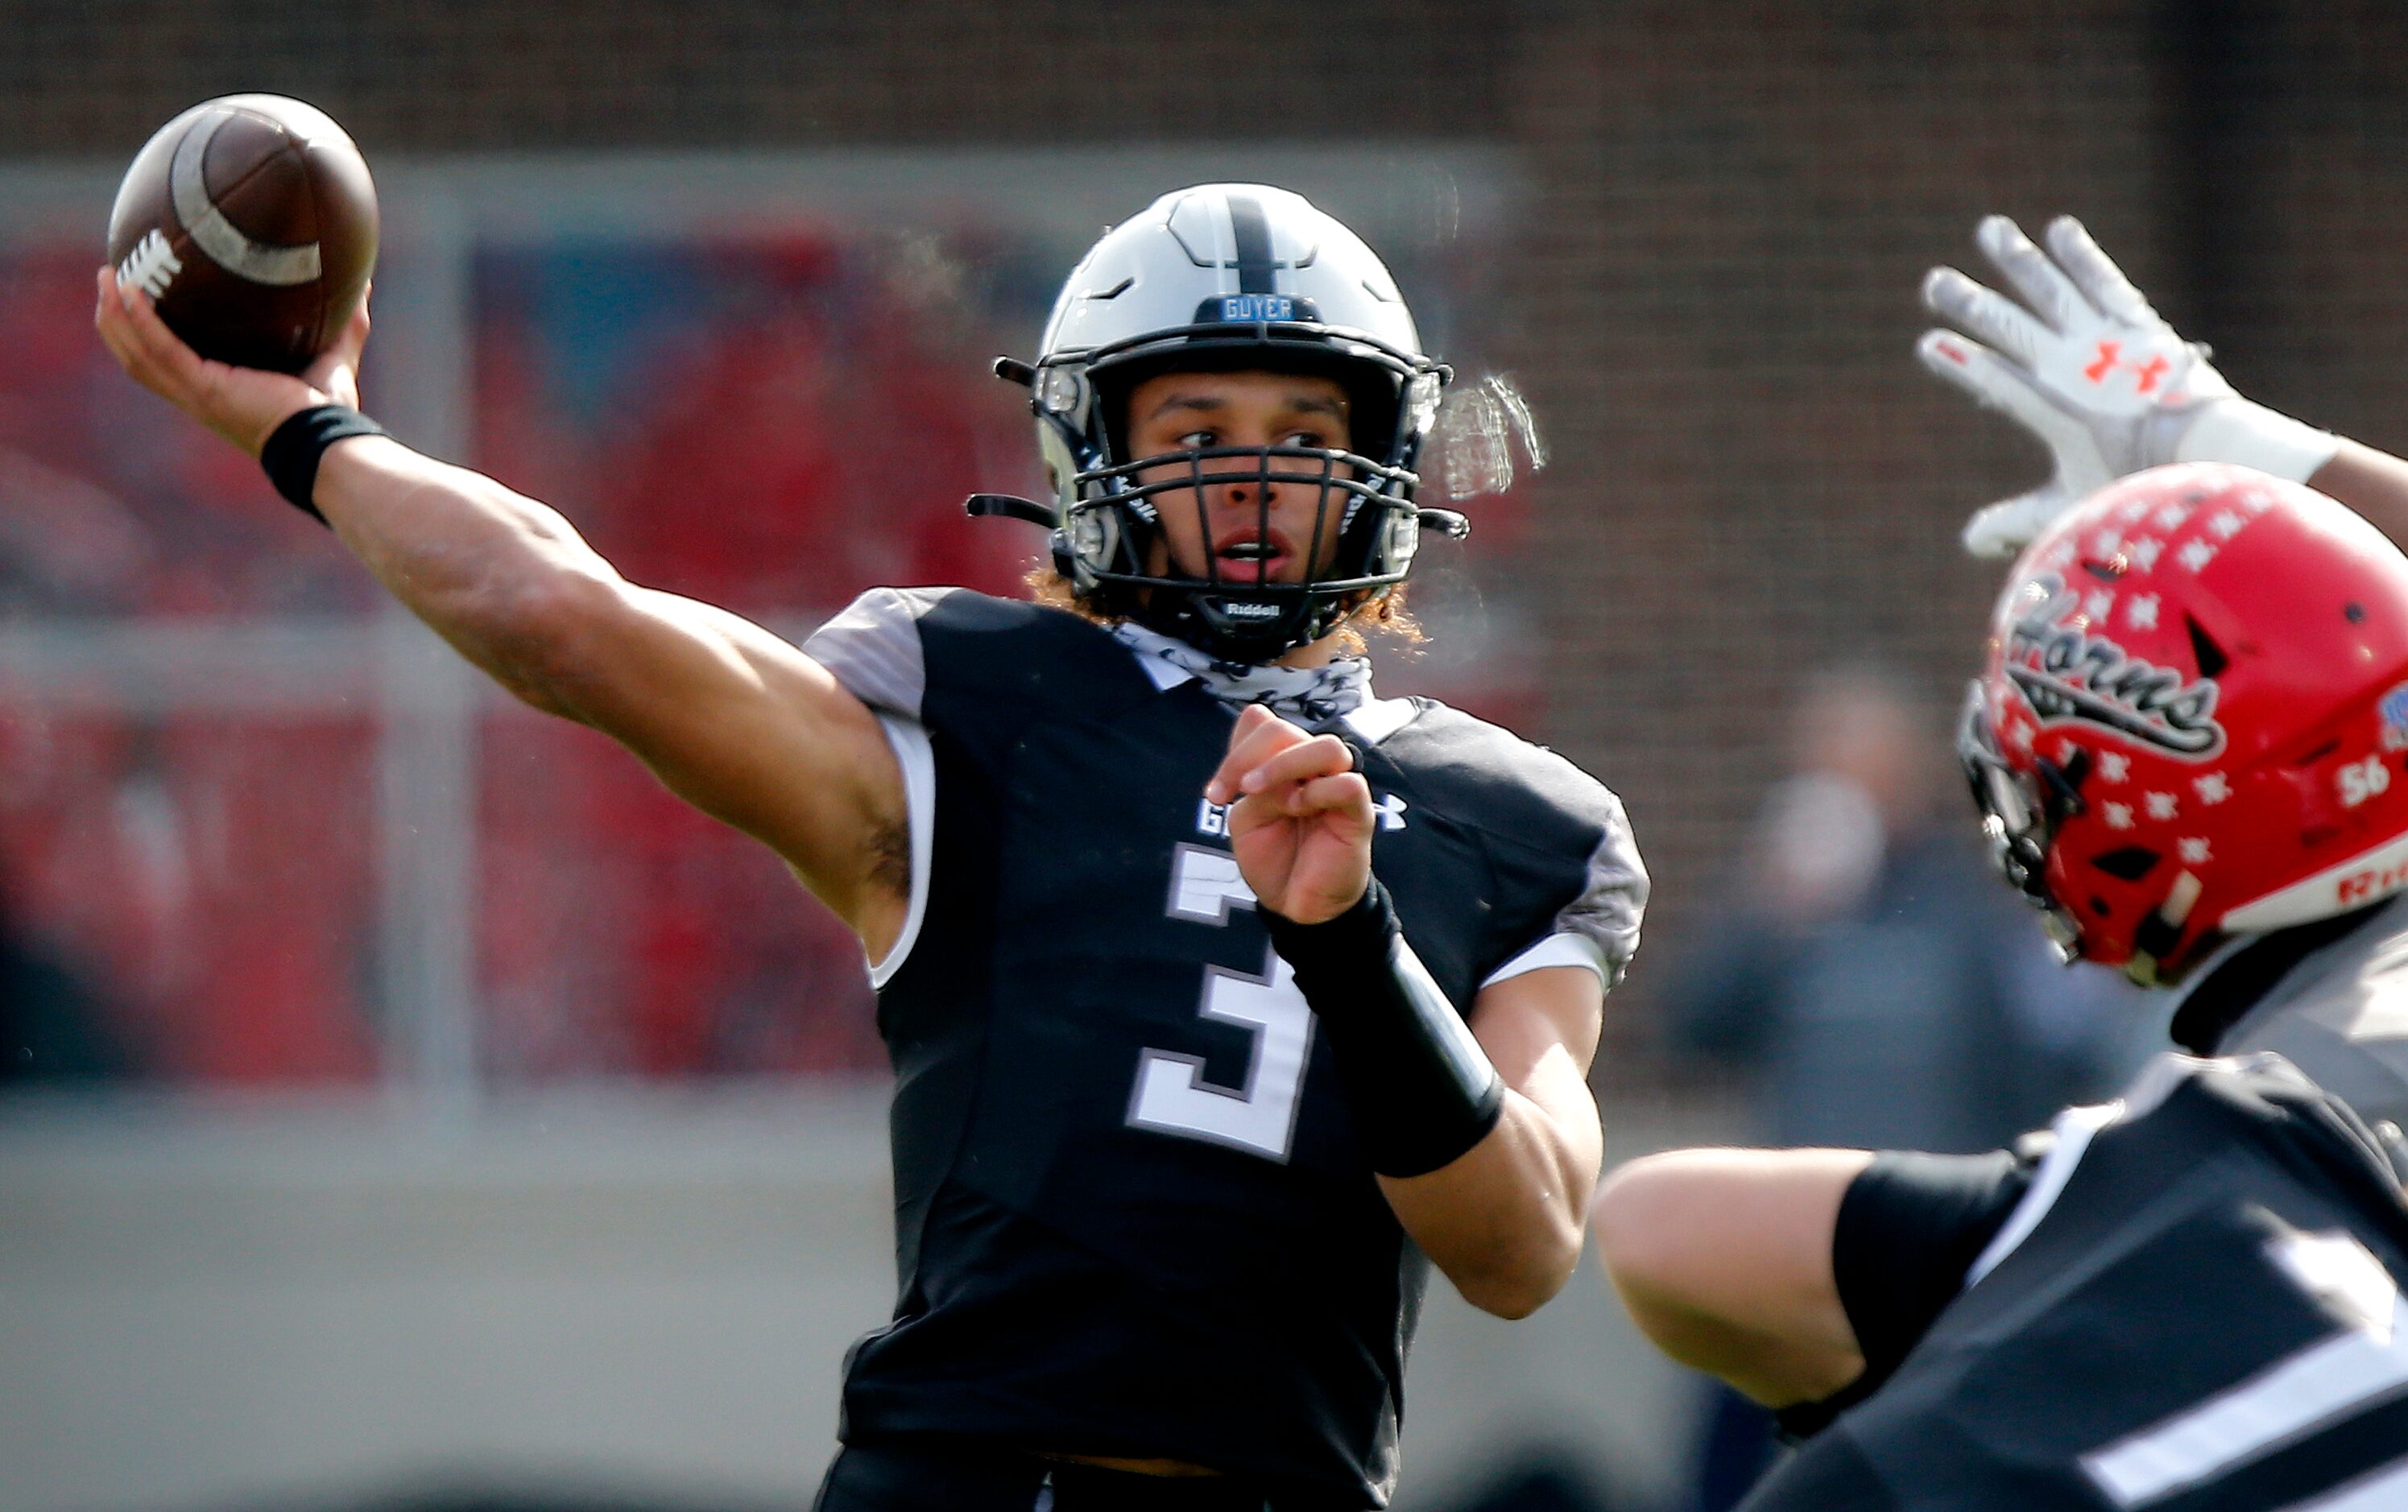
(1420, 1089)
(1909, 1228)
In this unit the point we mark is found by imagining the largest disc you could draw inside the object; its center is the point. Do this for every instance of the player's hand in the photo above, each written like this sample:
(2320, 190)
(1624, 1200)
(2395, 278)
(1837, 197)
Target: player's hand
(2086, 365)
(244, 405)
(1299, 817)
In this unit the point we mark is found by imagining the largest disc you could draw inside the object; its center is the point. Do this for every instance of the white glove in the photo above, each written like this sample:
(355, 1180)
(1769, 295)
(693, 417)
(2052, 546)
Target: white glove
(2096, 374)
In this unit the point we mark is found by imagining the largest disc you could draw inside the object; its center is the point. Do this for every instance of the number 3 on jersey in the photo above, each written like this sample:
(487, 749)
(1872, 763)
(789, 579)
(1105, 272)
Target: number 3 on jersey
(1172, 1096)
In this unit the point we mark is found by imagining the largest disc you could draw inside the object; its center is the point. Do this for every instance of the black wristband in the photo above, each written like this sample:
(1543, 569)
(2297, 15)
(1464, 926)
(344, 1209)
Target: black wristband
(293, 448)
(1420, 1091)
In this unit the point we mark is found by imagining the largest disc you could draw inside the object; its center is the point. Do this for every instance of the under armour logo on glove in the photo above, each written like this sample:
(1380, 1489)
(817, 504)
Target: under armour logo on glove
(2087, 365)
(2111, 361)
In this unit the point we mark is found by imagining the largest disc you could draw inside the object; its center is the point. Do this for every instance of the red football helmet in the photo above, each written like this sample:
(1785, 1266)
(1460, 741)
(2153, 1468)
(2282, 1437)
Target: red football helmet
(2193, 722)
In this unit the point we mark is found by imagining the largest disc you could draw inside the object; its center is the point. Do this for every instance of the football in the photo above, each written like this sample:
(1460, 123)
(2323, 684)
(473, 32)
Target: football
(251, 221)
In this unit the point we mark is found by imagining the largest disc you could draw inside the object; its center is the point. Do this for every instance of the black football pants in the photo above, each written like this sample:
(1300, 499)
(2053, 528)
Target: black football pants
(894, 1476)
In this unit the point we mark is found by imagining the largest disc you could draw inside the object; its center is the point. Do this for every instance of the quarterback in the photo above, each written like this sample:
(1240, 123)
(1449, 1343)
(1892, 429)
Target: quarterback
(1220, 991)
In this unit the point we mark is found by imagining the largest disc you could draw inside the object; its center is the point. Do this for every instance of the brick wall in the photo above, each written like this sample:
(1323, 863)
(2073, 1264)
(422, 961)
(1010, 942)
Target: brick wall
(1712, 303)
(588, 73)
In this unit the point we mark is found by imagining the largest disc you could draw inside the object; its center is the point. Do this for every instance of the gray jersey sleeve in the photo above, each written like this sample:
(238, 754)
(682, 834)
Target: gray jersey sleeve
(873, 649)
(1567, 886)
(2342, 1017)
(2365, 1066)
(1609, 909)
(1599, 928)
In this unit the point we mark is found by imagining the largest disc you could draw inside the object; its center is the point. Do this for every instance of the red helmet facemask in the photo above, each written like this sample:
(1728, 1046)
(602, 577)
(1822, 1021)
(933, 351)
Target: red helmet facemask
(2193, 719)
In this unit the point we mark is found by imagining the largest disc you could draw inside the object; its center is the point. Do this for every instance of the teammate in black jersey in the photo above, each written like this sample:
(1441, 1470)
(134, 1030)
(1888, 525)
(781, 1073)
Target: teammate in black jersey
(1220, 991)
(2191, 747)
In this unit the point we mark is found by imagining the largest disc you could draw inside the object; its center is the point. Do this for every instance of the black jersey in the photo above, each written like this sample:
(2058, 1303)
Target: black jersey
(2194, 1305)
(1132, 1218)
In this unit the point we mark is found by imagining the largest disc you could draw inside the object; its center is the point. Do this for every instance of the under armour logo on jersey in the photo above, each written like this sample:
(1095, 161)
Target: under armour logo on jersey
(1391, 810)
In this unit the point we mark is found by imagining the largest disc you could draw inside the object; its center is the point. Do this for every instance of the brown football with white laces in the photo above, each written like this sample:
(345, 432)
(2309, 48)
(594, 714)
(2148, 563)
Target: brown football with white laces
(251, 221)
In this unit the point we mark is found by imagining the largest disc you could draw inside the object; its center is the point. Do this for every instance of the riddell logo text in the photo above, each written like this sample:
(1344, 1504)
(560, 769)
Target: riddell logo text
(2374, 883)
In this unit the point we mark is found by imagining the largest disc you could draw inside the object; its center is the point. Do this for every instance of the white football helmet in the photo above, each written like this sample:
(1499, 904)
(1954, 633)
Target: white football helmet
(1227, 277)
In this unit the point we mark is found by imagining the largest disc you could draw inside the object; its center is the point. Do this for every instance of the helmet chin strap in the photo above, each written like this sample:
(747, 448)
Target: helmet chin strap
(2162, 930)
(1188, 615)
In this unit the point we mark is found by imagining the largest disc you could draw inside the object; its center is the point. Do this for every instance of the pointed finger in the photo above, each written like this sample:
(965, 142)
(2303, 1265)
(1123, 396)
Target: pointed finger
(2100, 280)
(2042, 284)
(1985, 315)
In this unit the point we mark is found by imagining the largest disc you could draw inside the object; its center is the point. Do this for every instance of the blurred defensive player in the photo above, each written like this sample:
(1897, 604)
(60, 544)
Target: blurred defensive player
(2184, 748)
(2087, 365)
(2188, 1299)
(1186, 1085)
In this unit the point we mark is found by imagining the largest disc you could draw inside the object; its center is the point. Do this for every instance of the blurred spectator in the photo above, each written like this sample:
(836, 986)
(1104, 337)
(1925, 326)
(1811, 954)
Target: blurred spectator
(1873, 983)
(158, 852)
(1871, 980)
(52, 1027)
